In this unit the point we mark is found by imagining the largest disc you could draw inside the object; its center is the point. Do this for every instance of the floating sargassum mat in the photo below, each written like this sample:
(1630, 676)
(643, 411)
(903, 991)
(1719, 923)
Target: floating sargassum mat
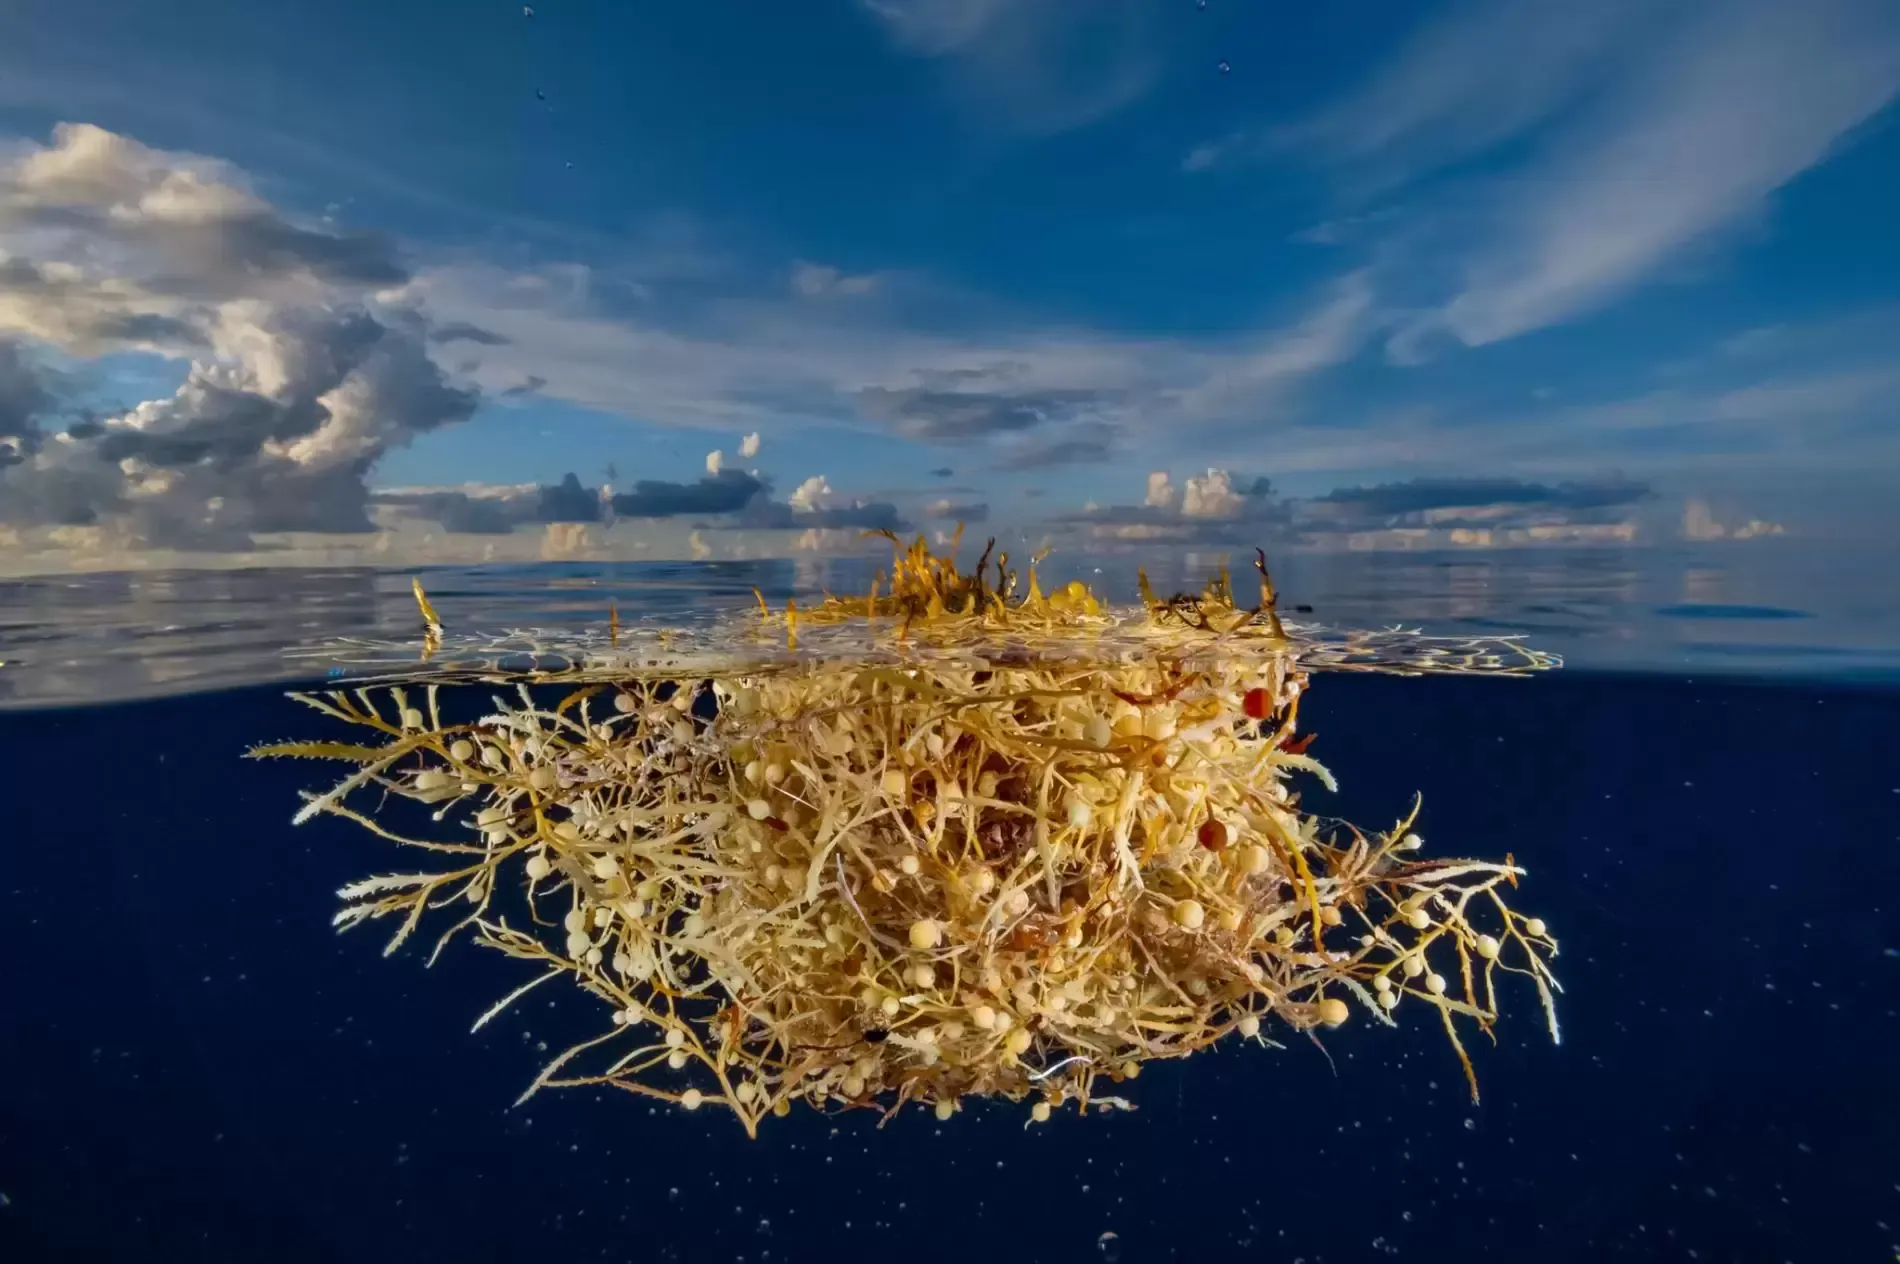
(935, 843)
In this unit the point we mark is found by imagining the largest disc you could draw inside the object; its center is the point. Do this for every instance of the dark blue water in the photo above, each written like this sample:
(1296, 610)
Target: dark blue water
(194, 1067)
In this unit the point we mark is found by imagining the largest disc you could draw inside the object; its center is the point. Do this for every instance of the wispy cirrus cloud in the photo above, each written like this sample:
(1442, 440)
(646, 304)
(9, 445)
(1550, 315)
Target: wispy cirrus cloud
(1013, 389)
(1042, 66)
(1726, 112)
(1579, 150)
(1471, 79)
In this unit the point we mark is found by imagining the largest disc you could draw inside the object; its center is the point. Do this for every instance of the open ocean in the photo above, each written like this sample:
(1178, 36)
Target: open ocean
(193, 1066)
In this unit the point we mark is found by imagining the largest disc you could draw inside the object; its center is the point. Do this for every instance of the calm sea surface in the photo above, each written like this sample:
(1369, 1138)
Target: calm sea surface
(1779, 608)
(1707, 799)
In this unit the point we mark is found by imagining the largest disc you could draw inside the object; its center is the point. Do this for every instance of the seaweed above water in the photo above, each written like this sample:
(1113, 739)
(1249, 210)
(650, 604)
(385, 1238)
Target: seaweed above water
(944, 840)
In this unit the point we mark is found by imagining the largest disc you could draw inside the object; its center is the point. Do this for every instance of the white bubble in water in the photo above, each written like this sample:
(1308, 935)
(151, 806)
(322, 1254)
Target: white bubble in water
(1110, 1245)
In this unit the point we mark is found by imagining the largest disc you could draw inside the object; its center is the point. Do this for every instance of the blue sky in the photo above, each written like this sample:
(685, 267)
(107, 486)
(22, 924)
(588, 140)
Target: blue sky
(1051, 246)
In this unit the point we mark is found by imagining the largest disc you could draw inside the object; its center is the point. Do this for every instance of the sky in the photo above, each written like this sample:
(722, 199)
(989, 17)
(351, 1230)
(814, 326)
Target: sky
(343, 282)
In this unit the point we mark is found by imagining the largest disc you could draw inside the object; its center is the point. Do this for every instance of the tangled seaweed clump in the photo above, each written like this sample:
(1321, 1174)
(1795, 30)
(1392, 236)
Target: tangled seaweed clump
(971, 867)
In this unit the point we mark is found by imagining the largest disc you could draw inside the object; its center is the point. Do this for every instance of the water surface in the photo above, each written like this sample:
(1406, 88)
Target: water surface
(1785, 609)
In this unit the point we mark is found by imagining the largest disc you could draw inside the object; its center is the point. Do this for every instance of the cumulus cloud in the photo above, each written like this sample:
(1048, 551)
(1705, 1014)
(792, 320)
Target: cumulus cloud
(749, 446)
(24, 401)
(715, 461)
(568, 501)
(814, 493)
(813, 505)
(1215, 508)
(728, 501)
(300, 380)
(1213, 495)
(1700, 524)
(721, 492)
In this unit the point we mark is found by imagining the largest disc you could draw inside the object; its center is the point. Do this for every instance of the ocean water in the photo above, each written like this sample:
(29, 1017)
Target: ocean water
(193, 1066)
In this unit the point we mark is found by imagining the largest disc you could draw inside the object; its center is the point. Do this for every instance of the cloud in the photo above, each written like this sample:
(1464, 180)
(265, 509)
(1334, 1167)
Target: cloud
(1698, 523)
(814, 505)
(1475, 513)
(723, 492)
(1214, 495)
(1828, 417)
(728, 500)
(1039, 66)
(24, 402)
(775, 360)
(62, 304)
(1223, 510)
(462, 331)
(1734, 107)
(217, 239)
(1559, 155)
(492, 509)
(1331, 333)
(1084, 444)
(568, 501)
(453, 510)
(1216, 508)
(749, 446)
(814, 280)
(953, 511)
(715, 461)
(860, 515)
(1482, 74)
(279, 440)
(300, 380)
(938, 416)
(1423, 501)
(814, 493)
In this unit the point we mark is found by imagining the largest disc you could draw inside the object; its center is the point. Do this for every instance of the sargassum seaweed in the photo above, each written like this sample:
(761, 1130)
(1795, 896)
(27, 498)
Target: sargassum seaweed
(954, 872)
